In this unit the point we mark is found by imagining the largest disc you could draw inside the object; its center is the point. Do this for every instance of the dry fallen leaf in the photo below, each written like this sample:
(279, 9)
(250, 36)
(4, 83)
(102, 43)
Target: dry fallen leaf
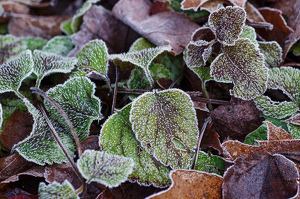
(161, 28)
(187, 184)
(37, 171)
(13, 8)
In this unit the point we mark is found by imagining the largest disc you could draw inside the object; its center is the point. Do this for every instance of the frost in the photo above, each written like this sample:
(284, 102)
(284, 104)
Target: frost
(57, 191)
(141, 44)
(197, 53)
(272, 53)
(295, 130)
(93, 57)
(46, 63)
(117, 138)
(227, 24)
(244, 65)
(141, 58)
(158, 118)
(249, 32)
(12, 73)
(34, 43)
(109, 170)
(60, 45)
(278, 110)
(10, 47)
(76, 97)
(203, 73)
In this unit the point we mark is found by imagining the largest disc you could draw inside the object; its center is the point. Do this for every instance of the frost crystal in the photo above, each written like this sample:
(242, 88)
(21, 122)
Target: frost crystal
(197, 53)
(57, 191)
(60, 45)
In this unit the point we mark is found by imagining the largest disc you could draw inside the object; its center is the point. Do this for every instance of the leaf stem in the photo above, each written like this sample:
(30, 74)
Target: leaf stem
(206, 95)
(174, 82)
(207, 120)
(42, 93)
(19, 94)
(115, 91)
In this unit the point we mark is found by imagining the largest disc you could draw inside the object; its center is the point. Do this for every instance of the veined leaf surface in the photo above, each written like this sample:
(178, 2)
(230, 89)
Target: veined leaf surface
(10, 47)
(197, 53)
(57, 191)
(60, 45)
(272, 53)
(160, 120)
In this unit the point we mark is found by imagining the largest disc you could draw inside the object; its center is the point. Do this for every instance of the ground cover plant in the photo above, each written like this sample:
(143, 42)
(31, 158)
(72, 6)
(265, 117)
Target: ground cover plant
(149, 99)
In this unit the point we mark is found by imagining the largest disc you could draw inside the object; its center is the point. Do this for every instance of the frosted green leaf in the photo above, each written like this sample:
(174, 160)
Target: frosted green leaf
(203, 73)
(197, 53)
(10, 47)
(76, 97)
(141, 44)
(93, 57)
(249, 32)
(47, 63)
(286, 79)
(259, 134)
(275, 109)
(65, 27)
(244, 65)
(117, 138)
(12, 73)
(272, 53)
(295, 130)
(174, 64)
(142, 58)
(40, 147)
(160, 117)
(107, 169)
(34, 43)
(60, 45)
(57, 191)
(296, 48)
(77, 18)
(227, 23)
(210, 163)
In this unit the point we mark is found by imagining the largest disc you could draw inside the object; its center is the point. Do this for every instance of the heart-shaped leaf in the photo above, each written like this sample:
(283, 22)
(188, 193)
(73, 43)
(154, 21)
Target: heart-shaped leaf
(14, 72)
(10, 47)
(272, 53)
(160, 120)
(117, 138)
(227, 23)
(197, 53)
(244, 65)
(57, 191)
(47, 63)
(60, 45)
(104, 168)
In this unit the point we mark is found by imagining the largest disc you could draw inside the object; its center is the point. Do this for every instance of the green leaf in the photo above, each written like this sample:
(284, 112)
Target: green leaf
(107, 169)
(66, 28)
(57, 191)
(93, 57)
(174, 64)
(227, 23)
(60, 45)
(197, 53)
(244, 65)
(272, 53)
(159, 117)
(295, 130)
(259, 134)
(76, 97)
(278, 110)
(117, 138)
(210, 163)
(141, 44)
(12, 73)
(249, 32)
(47, 63)
(40, 147)
(34, 43)
(296, 48)
(10, 47)
(142, 58)
(202, 73)
(286, 79)
(77, 18)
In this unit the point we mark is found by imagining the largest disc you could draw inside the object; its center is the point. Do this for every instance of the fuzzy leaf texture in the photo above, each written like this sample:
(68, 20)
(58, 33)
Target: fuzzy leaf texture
(93, 57)
(57, 191)
(76, 97)
(163, 121)
(12, 73)
(47, 63)
(227, 24)
(272, 53)
(60, 45)
(10, 47)
(109, 170)
(117, 138)
(244, 65)
(34, 43)
(197, 53)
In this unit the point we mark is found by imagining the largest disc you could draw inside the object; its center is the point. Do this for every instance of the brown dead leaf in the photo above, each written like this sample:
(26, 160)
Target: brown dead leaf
(17, 128)
(164, 28)
(294, 120)
(99, 23)
(280, 32)
(91, 142)
(36, 26)
(253, 15)
(159, 6)
(211, 139)
(203, 33)
(13, 7)
(37, 171)
(192, 4)
(277, 133)
(236, 120)
(187, 184)
(260, 175)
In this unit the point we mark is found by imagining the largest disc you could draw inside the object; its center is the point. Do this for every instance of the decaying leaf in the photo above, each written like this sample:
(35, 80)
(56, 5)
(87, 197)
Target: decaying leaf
(188, 184)
(104, 168)
(60, 45)
(294, 120)
(224, 19)
(244, 65)
(56, 190)
(165, 123)
(117, 138)
(161, 28)
(37, 171)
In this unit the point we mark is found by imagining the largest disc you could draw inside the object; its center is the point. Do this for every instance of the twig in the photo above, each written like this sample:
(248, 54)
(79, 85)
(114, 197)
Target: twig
(174, 82)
